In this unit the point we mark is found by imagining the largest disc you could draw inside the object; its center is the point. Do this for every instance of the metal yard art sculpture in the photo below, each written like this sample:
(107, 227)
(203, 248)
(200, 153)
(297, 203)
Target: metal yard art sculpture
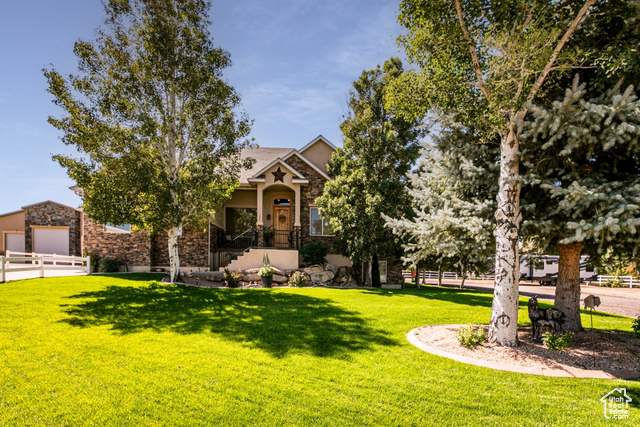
(542, 318)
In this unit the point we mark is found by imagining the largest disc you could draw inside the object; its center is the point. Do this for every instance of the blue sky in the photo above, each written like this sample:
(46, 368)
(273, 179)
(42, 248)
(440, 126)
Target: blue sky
(293, 63)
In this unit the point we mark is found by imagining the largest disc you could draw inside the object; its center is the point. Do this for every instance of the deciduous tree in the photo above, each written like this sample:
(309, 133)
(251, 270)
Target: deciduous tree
(370, 171)
(152, 118)
(481, 63)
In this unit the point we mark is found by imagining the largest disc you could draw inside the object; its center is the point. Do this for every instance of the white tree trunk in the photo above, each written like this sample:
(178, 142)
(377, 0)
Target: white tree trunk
(174, 259)
(504, 310)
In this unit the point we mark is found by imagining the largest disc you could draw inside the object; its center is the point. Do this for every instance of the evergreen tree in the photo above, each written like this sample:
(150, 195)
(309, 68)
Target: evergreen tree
(452, 194)
(152, 118)
(587, 163)
(606, 53)
(369, 173)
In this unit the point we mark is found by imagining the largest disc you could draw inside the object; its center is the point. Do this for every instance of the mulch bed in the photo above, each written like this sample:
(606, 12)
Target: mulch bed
(615, 352)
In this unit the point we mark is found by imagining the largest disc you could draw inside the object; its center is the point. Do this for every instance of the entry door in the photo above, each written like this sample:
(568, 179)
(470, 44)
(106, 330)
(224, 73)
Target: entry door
(282, 225)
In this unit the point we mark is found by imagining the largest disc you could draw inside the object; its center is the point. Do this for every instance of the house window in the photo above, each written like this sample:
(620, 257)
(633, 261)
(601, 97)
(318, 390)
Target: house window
(319, 225)
(383, 271)
(117, 229)
(239, 220)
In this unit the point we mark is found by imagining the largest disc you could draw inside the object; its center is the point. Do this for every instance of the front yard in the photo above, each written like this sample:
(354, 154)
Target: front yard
(127, 350)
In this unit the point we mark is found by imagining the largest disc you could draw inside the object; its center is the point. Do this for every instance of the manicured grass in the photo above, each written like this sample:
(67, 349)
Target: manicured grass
(127, 350)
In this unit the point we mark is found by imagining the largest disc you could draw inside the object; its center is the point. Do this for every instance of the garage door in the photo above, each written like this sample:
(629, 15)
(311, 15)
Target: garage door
(14, 242)
(51, 241)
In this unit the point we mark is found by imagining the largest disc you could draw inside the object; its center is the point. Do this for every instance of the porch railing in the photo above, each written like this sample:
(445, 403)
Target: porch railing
(283, 239)
(236, 246)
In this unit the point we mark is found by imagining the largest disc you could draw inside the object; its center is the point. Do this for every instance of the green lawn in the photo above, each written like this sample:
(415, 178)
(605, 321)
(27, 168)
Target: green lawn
(127, 350)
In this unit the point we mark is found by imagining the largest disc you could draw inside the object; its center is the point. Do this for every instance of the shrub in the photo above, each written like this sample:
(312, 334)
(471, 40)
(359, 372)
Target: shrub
(110, 265)
(314, 253)
(635, 326)
(232, 279)
(615, 283)
(297, 279)
(470, 337)
(266, 271)
(557, 342)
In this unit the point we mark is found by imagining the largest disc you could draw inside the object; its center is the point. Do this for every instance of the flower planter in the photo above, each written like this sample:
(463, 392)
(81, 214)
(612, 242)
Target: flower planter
(267, 281)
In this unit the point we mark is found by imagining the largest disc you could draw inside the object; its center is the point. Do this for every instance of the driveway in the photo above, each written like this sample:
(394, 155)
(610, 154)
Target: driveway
(622, 301)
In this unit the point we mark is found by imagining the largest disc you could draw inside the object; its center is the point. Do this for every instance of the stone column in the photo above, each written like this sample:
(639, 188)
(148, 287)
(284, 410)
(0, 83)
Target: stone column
(297, 230)
(260, 236)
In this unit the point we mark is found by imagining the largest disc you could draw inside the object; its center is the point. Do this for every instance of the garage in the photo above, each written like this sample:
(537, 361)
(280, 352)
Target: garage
(14, 242)
(51, 240)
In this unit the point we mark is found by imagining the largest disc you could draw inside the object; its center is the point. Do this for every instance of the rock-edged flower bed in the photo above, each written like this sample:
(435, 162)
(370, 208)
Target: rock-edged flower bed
(315, 275)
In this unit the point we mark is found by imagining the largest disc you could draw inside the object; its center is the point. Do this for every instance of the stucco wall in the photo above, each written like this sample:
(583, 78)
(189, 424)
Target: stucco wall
(319, 154)
(11, 223)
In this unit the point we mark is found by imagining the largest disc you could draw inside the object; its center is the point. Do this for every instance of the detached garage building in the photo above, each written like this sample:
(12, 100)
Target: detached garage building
(53, 228)
(46, 227)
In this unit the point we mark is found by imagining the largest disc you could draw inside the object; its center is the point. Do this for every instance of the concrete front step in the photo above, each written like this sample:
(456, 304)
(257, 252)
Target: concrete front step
(284, 259)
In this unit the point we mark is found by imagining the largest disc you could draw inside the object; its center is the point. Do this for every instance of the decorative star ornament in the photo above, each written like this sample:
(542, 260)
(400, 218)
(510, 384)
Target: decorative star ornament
(278, 175)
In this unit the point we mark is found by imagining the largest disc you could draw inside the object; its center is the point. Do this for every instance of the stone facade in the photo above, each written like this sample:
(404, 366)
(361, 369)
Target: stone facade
(192, 248)
(394, 270)
(54, 215)
(142, 249)
(307, 196)
(131, 249)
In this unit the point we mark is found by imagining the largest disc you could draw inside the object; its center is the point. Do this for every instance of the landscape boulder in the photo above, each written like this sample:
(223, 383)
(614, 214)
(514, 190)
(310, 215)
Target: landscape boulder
(322, 276)
(314, 269)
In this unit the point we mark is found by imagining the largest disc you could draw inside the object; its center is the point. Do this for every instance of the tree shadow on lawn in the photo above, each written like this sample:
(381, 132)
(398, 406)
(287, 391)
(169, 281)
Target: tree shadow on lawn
(456, 296)
(275, 322)
(470, 297)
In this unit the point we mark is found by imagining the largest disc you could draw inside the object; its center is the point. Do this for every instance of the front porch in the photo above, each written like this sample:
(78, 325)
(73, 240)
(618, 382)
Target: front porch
(254, 239)
(264, 213)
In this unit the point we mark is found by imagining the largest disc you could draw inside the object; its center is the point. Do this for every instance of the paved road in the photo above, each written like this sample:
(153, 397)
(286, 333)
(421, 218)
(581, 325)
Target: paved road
(623, 301)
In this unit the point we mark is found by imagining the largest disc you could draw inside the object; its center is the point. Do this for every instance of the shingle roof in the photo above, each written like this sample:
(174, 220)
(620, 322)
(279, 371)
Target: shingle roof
(264, 156)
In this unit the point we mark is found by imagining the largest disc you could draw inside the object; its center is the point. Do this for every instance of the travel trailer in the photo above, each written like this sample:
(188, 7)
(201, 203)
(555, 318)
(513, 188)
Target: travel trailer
(544, 269)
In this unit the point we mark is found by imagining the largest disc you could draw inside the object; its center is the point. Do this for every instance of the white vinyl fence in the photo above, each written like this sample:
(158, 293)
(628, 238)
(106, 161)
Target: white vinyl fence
(15, 262)
(447, 275)
(626, 280)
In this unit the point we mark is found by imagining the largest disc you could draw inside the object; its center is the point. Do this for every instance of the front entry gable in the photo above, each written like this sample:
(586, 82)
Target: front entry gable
(278, 172)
